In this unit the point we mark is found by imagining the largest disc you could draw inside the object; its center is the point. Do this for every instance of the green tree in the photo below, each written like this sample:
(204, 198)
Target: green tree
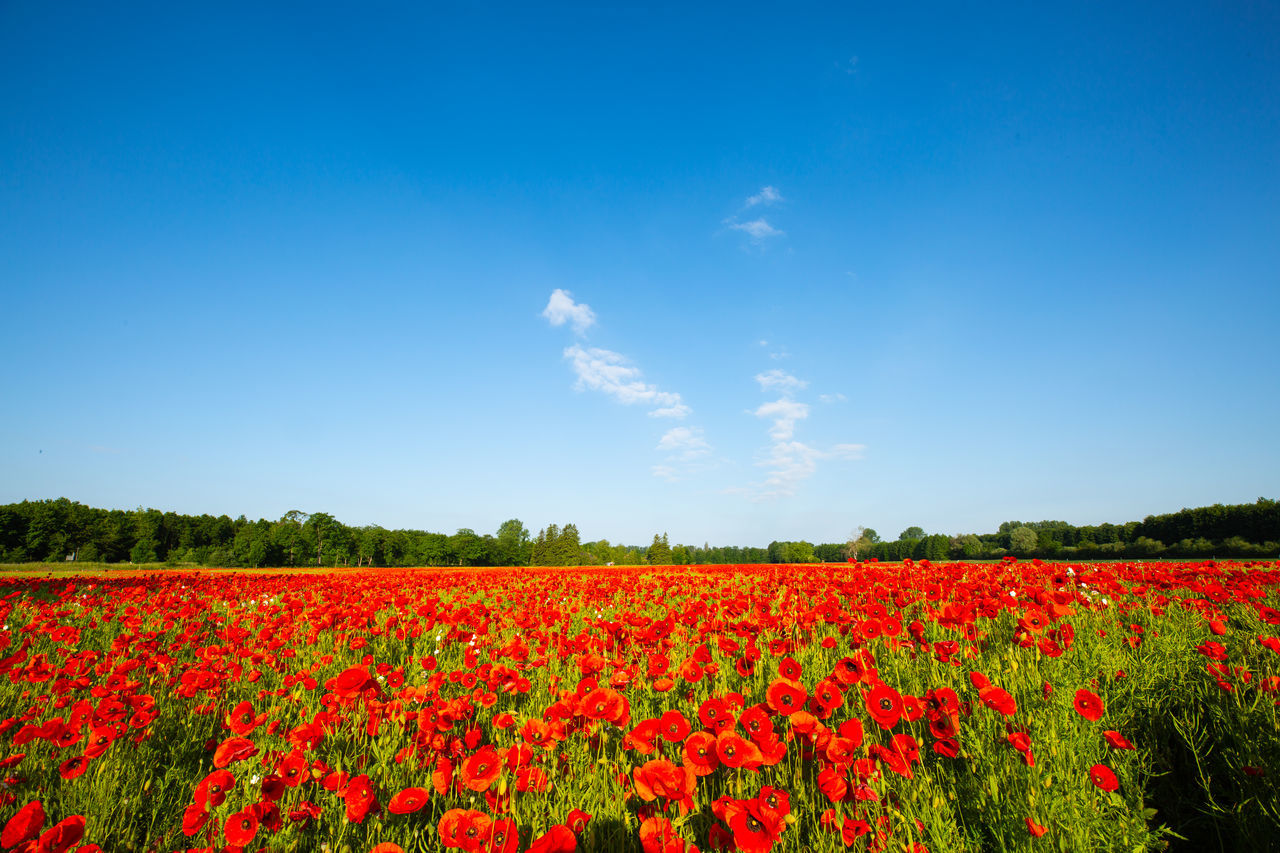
(1022, 540)
(570, 547)
(659, 553)
(512, 548)
(320, 526)
(911, 533)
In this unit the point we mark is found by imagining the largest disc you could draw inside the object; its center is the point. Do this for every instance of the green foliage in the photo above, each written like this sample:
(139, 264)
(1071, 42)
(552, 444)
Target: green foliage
(659, 553)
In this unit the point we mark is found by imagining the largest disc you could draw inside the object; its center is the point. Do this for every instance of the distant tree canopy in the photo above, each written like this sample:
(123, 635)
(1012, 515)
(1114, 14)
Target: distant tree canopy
(58, 530)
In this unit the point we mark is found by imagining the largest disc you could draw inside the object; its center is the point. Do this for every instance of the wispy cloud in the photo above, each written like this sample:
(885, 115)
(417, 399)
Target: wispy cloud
(766, 196)
(784, 413)
(787, 461)
(758, 230)
(562, 309)
(779, 379)
(832, 398)
(684, 443)
(613, 374)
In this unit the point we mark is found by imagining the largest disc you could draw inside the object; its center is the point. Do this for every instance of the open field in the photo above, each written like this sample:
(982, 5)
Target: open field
(1005, 706)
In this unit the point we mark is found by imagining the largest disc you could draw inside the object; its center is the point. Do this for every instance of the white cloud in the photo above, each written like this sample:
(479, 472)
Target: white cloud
(766, 196)
(785, 413)
(561, 309)
(684, 443)
(832, 398)
(611, 373)
(777, 378)
(790, 463)
(757, 229)
(666, 472)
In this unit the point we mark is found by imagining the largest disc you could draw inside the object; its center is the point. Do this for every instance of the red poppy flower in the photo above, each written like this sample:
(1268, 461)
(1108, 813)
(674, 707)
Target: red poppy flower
(211, 791)
(715, 714)
(241, 827)
(884, 704)
(1034, 828)
(73, 767)
(233, 749)
(193, 819)
(661, 778)
(774, 801)
(1116, 740)
(62, 836)
(785, 697)
(23, 826)
(242, 721)
(756, 722)
(947, 747)
(1103, 778)
(789, 669)
(998, 699)
(657, 835)
(577, 821)
(736, 751)
(833, 784)
(557, 839)
(360, 799)
(673, 726)
(292, 769)
(851, 729)
(481, 770)
(504, 837)
(1089, 705)
(754, 831)
(408, 801)
(700, 753)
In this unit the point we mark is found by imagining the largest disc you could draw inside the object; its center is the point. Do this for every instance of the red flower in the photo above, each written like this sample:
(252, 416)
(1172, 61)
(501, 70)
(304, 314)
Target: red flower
(673, 726)
(774, 802)
(736, 751)
(408, 801)
(754, 830)
(557, 839)
(481, 770)
(73, 767)
(62, 836)
(241, 827)
(884, 704)
(504, 837)
(700, 753)
(360, 799)
(1103, 778)
(1116, 740)
(212, 789)
(998, 699)
(1089, 705)
(233, 749)
(661, 778)
(1034, 828)
(24, 825)
(193, 819)
(577, 821)
(785, 697)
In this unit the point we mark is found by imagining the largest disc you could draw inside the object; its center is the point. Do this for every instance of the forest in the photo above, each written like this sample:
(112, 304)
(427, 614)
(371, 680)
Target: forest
(63, 530)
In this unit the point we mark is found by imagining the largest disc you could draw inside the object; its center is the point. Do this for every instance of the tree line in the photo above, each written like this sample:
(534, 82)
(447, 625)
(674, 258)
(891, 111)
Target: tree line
(61, 529)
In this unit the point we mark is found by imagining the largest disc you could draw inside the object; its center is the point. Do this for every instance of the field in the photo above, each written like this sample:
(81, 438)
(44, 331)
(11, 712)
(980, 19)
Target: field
(904, 707)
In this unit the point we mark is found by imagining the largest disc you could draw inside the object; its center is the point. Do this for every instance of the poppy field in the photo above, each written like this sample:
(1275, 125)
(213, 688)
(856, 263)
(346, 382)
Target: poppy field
(1014, 706)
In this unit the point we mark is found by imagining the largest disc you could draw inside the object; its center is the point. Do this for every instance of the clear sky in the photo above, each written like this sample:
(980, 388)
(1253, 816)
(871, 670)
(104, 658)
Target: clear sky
(737, 272)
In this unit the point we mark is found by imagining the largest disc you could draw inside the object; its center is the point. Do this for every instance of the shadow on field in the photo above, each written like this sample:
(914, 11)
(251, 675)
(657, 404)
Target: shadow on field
(1202, 791)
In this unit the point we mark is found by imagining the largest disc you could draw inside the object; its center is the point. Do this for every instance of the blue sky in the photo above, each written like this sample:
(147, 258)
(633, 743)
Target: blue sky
(732, 272)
